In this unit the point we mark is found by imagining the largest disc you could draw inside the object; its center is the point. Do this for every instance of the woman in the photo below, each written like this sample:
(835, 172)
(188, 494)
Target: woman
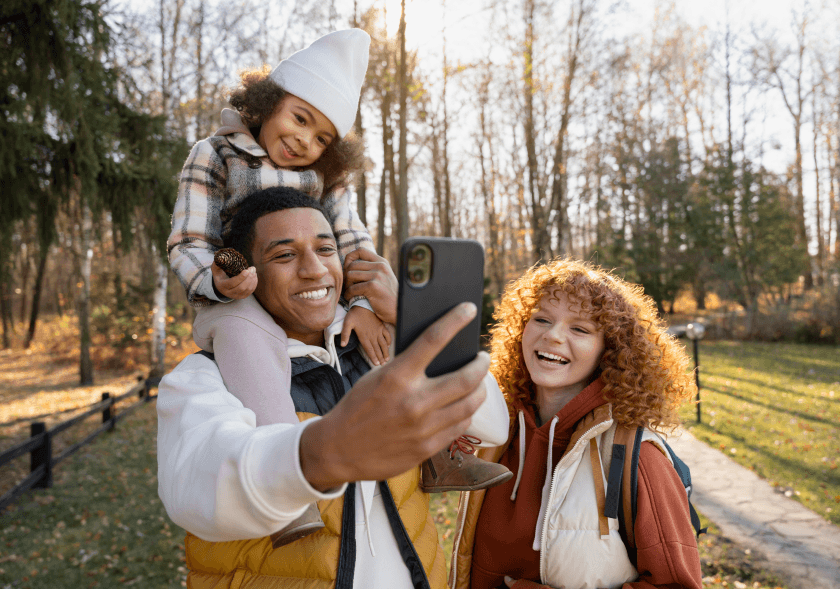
(577, 352)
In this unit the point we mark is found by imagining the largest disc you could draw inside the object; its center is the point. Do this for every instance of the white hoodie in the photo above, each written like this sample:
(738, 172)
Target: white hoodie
(223, 478)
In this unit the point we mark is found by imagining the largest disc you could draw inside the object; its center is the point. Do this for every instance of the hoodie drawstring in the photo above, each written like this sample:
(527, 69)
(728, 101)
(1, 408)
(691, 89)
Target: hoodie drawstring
(367, 490)
(549, 472)
(521, 455)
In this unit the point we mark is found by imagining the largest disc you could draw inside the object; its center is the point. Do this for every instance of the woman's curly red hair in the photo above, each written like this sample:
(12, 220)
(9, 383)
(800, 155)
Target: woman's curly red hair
(645, 370)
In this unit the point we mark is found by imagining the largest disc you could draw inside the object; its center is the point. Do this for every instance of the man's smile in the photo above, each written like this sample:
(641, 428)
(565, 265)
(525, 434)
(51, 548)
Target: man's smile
(316, 294)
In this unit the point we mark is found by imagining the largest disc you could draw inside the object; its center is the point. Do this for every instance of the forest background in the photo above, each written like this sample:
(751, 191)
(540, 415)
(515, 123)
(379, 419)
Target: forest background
(697, 157)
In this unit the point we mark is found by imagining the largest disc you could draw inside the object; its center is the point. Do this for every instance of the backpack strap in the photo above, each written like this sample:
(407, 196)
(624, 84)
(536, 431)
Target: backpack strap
(625, 482)
(206, 354)
(622, 485)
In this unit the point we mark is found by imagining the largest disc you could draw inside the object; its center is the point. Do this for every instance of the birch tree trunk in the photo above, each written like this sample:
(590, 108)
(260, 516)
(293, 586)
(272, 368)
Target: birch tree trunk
(158, 341)
(86, 250)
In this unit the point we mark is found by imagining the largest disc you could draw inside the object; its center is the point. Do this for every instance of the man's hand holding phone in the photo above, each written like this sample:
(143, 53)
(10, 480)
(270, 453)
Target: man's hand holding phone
(396, 417)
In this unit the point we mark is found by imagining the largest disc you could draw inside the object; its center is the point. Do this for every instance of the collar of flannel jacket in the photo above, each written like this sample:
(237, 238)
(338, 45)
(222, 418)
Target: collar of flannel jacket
(238, 134)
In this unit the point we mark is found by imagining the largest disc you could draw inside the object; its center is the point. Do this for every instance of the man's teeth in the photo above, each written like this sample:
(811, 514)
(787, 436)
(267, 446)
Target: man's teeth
(314, 294)
(552, 357)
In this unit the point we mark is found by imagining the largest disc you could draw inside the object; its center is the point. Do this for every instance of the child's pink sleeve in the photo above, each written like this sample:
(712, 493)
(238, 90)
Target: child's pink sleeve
(252, 354)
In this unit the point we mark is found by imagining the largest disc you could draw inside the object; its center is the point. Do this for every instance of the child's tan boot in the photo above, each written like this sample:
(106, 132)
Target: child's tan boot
(306, 524)
(457, 469)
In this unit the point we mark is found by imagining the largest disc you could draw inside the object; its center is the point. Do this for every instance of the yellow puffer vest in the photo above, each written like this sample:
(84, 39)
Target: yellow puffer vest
(311, 562)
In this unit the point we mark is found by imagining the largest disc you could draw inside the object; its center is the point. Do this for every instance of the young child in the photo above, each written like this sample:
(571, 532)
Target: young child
(291, 127)
(577, 352)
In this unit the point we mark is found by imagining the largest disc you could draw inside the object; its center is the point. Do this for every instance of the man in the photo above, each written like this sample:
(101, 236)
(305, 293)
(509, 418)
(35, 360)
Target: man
(231, 484)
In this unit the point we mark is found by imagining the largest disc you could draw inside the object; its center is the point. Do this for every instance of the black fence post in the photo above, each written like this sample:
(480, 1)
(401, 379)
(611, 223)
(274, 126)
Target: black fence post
(144, 392)
(41, 455)
(108, 412)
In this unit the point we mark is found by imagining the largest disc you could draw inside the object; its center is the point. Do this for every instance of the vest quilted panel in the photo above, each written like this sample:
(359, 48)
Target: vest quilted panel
(242, 579)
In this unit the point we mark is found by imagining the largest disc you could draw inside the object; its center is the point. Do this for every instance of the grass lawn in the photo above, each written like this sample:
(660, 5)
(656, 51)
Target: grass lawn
(101, 524)
(775, 409)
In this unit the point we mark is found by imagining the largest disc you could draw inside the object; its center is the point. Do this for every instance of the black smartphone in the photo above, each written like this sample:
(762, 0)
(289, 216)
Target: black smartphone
(435, 275)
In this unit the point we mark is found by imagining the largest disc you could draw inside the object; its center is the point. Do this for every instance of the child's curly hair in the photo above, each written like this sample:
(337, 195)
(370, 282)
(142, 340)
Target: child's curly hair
(258, 96)
(643, 368)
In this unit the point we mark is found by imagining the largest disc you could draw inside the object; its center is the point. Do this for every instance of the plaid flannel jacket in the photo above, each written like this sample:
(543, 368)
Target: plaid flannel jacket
(220, 172)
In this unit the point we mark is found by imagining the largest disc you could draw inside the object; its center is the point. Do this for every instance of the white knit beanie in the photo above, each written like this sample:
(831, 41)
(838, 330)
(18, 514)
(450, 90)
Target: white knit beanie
(329, 75)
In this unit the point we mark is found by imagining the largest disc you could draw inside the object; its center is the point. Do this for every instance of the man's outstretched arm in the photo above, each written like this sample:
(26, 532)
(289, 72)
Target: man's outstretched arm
(219, 475)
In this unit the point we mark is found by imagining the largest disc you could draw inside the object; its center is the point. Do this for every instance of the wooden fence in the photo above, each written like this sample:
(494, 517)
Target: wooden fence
(39, 445)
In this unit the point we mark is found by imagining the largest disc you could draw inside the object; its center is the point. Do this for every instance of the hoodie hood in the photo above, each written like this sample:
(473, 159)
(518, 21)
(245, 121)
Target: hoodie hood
(569, 414)
(327, 354)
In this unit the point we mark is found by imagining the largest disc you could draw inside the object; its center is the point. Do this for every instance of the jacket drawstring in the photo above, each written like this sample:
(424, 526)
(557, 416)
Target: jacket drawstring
(521, 455)
(549, 472)
(366, 492)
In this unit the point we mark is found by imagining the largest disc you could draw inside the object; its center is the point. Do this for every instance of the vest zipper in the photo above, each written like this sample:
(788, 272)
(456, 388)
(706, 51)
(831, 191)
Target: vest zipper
(459, 525)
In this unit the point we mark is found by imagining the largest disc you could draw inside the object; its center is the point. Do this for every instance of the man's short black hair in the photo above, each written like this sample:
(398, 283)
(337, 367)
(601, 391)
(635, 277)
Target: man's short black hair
(259, 204)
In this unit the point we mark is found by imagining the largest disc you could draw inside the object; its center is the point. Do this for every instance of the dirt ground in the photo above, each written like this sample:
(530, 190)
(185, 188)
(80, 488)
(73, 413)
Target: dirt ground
(42, 384)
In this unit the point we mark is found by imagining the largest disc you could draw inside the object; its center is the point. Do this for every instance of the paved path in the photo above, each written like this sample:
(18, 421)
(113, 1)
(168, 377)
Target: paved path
(798, 545)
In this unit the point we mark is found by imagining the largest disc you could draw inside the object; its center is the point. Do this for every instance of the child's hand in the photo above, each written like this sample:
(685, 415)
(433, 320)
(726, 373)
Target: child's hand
(372, 333)
(237, 287)
(369, 275)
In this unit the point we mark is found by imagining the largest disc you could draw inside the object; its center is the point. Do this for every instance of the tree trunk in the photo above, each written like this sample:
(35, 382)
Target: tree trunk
(158, 342)
(837, 176)
(119, 295)
(536, 209)
(558, 180)
(401, 208)
(24, 276)
(801, 226)
(199, 71)
(361, 181)
(488, 192)
(437, 186)
(36, 296)
(834, 193)
(380, 221)
(818, 200)
(446, 212)
(85, 363)
(4, 313)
